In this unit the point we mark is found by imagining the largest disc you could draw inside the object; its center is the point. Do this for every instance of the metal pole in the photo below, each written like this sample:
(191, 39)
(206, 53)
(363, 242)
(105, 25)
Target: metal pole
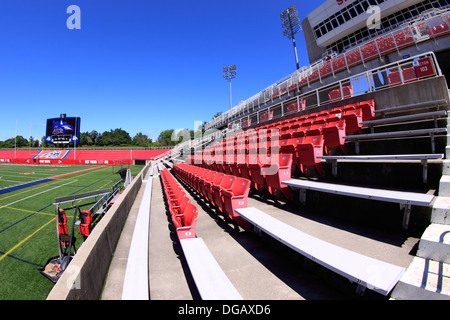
(295, 52)
(293, 40)
(231, 104)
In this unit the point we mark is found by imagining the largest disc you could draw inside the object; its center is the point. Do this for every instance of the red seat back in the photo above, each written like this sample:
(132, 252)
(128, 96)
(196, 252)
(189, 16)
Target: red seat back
(241, 186)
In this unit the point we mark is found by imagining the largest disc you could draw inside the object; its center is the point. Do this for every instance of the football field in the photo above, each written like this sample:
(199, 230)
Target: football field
(27, 220)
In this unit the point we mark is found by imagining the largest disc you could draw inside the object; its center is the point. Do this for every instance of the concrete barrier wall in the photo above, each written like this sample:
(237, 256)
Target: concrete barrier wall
(84, 277)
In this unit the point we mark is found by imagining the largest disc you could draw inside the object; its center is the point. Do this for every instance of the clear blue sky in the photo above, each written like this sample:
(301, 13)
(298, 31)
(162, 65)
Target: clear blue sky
(140, 65)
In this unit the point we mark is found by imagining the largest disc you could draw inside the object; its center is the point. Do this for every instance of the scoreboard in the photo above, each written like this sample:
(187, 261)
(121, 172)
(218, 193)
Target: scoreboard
(63, 130)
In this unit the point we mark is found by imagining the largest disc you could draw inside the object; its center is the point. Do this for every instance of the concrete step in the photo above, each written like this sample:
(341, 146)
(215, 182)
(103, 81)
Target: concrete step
(424, 279)
(444, 186)
(446, 167)
(435, 243)
(441, 210)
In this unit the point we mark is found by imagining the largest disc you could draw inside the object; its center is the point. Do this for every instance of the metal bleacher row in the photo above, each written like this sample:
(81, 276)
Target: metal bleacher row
(266, 157)
(210, 280)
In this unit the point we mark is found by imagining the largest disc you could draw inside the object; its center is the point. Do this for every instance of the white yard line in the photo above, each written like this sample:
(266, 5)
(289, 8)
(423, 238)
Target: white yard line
(9, 204)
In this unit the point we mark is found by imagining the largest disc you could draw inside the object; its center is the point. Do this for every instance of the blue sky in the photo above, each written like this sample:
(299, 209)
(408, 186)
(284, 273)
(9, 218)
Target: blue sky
(140, 65)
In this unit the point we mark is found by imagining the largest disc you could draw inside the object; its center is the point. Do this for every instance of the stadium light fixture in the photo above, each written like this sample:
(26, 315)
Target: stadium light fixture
(291, 26)
(229, 73)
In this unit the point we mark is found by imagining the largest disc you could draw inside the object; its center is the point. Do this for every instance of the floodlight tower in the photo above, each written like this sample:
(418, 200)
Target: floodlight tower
(229, 73)
(291, 26)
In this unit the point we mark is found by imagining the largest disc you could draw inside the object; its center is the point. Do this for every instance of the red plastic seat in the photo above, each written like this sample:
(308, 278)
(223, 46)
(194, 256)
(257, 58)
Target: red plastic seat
(353, 57)
(176, 210)
(353, 119)
(333, 135)
(234, 167)
(209, 185)
(369, 51)
(244, 169)
(85, 223)
(404, 38)
(368, 110)
(278, 171)
(187, 222)
(339, 64)
(308, 153)
(198, 177)
(254, 167)
(225, 184)
(236, 198)
(204, 182)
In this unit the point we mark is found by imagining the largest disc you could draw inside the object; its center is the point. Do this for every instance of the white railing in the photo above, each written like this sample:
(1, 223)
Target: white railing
(429, 25)
(394, 74)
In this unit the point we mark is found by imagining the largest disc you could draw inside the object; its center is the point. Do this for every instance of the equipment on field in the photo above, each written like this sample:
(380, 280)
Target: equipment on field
(85, 220)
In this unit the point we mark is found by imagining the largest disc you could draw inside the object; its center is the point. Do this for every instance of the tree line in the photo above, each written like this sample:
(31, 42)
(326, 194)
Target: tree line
(112, 138)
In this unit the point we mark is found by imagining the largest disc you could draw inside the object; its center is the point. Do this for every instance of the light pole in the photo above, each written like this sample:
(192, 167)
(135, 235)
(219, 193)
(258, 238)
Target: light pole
(291, 26)
(229, 73)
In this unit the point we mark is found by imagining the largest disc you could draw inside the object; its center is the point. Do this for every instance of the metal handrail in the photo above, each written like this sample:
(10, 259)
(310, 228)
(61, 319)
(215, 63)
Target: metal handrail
(305, 72)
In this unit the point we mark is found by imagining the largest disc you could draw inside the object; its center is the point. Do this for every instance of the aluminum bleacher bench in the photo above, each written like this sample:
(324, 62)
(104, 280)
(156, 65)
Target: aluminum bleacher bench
(396, 134)
(136, 280)
(422, 157)
(404, 199)
(440, 113)
(151, 170)
(160, 166)
(408, 107)
(367, 272)
(167, 163)
(210, 280)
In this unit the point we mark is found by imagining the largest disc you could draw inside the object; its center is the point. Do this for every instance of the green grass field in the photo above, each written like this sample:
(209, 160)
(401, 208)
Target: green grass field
(27, 221)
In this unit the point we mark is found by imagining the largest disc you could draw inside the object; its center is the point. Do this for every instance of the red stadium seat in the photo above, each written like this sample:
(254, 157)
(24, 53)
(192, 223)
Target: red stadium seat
(236, 198)
(333, 135)
(254, 167)
(203, 183)
(369, 51)
(244, 170)
(386, 44)
(178, 210)
(353, 119)
(308, 153)
(404, 38)
(225, 184)
(368, 110)
(209, 185)
(183, 213)
(353, 57)
(234, 167)
(339, 64)
(187, 223)
(85, 223)
(289, 147)
(278, 171)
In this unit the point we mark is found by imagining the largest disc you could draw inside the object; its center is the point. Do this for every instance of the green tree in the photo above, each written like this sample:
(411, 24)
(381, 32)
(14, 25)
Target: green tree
(217, 114)
(141, 140)
(19, 142)
(165, 138)
(116, 137)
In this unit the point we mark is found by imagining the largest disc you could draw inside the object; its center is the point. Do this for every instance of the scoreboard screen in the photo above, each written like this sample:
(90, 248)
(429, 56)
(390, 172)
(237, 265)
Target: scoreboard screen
(63, 130)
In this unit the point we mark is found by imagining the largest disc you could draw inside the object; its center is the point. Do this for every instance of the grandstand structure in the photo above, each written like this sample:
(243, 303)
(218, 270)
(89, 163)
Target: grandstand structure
(342, 165)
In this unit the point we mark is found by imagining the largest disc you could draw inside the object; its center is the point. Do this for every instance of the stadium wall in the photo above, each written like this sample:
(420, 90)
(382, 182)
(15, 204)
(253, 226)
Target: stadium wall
(79, 157)
(84, 277)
